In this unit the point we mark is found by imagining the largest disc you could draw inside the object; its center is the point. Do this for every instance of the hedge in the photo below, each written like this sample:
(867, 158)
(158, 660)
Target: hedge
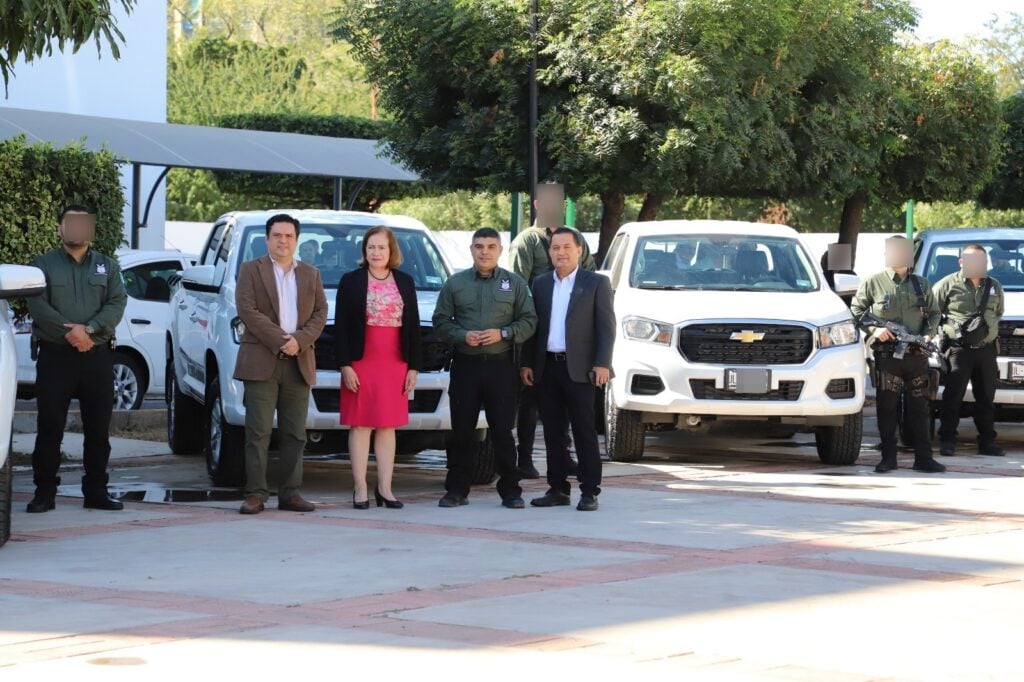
(38, 181)
(306, 191)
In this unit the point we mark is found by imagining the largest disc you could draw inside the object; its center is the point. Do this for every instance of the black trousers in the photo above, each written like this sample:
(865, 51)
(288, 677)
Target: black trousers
(558, 396)
(492, 383)
(977, 366)
(63, 374)
(894, 376)
(526, 426)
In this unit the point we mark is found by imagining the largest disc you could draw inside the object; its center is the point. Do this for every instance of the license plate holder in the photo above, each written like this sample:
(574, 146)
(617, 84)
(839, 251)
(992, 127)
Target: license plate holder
(1017, 372)
(752, 380)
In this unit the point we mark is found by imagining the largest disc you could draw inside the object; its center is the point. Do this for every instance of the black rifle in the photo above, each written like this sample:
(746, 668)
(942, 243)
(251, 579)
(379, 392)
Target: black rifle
(905, 339)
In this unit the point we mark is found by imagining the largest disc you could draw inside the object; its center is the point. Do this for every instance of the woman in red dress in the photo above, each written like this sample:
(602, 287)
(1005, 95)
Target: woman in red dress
(377, 337)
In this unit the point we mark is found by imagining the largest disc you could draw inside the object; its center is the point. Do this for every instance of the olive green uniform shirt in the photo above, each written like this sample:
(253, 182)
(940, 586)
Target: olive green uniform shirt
(958, 299)
(471, 302)
(895, 299)
(528, 253)
(90, 293)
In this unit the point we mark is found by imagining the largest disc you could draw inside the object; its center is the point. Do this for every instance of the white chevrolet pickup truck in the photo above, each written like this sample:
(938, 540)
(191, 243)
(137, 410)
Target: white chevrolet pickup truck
(205, 411)
(730, 321)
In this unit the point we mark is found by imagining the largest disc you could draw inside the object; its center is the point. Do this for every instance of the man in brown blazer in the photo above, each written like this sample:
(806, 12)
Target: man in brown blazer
(281, 302)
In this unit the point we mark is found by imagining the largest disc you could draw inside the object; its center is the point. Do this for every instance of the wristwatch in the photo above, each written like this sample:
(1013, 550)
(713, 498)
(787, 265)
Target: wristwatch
(504, 333)
(90, 330)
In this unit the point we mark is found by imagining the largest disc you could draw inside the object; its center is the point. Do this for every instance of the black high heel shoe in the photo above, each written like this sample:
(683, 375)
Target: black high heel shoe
(381, 500)
(365, 504)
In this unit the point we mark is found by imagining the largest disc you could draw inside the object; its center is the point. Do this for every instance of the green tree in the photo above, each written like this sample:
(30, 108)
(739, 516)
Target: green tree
(1004, 47)
(1006, 191)
(30, 28)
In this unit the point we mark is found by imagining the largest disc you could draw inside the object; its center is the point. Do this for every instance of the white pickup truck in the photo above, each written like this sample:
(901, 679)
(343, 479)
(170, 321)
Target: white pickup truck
(204, 403)
(730, 321)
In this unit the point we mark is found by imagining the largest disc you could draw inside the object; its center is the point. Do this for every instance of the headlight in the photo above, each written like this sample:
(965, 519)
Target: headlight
(839, 334)
(640, 329)
(237, 329)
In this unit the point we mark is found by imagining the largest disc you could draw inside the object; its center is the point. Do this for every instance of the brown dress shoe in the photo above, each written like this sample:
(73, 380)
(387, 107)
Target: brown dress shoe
(295, 504)
(252, 505)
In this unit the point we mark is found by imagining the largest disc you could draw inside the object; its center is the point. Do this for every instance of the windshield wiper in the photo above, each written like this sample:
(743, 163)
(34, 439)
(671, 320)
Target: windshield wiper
(664, 287)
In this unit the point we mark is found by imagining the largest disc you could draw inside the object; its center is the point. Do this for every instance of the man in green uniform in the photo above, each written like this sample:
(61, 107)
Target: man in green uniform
(74, 324)
(900, 296)
(972, 304)
(529, 258)
(483, 311)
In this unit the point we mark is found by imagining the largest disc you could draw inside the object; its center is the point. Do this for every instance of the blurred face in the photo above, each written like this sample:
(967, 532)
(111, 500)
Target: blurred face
(281, 241)
(898, 254)
(684, 254)
(974, 263)
(378, 251)
(308, 251)
(78, 228)
(565, 255)
(486, 251)
(550, 206)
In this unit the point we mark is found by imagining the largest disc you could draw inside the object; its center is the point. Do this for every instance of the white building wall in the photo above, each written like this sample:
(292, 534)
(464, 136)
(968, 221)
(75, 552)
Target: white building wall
(132, 87)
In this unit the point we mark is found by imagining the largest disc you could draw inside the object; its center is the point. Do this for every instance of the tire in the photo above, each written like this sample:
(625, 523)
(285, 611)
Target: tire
(129, 382)
(225, 443)
(6, 484)
(840, 445)
(484, 469)
(623, 431)
(184, 417)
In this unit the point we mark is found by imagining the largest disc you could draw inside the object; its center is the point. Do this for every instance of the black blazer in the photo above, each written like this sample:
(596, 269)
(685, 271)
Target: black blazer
(350, 318)
(589, 325)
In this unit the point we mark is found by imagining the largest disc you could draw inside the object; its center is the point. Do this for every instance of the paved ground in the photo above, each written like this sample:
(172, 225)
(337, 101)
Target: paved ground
(737, 558)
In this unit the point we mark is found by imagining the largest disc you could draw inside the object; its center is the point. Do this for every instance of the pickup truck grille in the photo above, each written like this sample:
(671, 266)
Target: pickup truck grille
(1010, 345)
(423, 401)
(704, 389)
(712, 344)
(437, 355)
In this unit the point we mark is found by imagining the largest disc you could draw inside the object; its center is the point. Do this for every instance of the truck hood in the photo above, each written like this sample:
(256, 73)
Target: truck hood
(426, 301)
(674, 307)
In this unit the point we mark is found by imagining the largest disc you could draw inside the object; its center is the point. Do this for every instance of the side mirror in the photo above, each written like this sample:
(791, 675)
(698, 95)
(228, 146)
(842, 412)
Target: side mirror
(199, 278)
(846, 284)
(21, 281)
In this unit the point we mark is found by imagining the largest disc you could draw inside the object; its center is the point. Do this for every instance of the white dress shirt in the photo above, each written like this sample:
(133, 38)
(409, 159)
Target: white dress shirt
(560, 294)
(287, 297)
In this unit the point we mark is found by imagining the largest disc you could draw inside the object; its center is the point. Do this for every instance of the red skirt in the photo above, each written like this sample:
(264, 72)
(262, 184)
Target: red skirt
(379, 403)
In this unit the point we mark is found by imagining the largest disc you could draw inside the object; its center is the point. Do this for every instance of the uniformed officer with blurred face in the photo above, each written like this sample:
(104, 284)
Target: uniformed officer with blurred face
(898, 295)
(73, 324)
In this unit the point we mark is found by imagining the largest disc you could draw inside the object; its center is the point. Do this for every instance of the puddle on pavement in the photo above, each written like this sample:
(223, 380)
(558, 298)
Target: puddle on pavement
(152, 492)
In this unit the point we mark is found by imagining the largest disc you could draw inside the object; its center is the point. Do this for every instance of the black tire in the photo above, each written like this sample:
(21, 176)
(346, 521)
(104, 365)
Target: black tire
(225, 443)
(840, 445)
(623, 431)
(6, 485)
(184, 417)
(129, 382)
(484, 469)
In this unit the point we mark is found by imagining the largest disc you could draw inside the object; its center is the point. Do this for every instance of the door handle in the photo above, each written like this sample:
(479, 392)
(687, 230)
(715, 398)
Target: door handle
(182, 305)
(136, 320)
(193, 317)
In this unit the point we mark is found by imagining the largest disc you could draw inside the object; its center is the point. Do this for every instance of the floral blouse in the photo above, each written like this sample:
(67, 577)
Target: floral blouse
(384, 304)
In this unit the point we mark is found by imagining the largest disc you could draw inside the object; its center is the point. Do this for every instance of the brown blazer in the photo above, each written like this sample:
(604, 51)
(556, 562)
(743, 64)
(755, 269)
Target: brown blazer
(256, 301)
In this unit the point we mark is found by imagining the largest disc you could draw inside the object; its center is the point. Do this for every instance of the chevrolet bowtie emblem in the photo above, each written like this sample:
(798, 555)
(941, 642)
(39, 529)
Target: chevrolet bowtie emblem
(747, 336)
(1019, 331)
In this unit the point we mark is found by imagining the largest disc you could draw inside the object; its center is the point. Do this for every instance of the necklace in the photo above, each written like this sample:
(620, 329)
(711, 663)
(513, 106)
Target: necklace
(379, 279)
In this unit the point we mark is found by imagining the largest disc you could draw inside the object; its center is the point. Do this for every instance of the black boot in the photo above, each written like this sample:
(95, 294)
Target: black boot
(929, 466)
(886, 465)
(41, 502)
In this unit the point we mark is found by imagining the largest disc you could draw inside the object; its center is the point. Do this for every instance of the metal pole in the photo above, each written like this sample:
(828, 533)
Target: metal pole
(136, 200)
(570, 212)
(910, 220)
(516, 217)
(336, 199)
(533, 111)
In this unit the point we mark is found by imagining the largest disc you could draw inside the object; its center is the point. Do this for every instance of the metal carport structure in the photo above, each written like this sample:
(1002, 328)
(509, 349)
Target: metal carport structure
(172, 145)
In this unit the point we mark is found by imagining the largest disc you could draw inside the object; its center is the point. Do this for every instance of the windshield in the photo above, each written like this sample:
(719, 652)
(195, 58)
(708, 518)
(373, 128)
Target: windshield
(1004, 261)
(722, 262)
(337, 249)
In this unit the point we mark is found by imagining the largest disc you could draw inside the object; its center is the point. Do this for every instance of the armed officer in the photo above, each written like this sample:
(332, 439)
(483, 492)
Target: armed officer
(971, 303)
(484, 311)
(897, 295)
(73, 324)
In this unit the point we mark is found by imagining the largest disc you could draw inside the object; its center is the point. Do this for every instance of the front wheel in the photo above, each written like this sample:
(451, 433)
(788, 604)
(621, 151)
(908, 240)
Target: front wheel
(129, 382)
(623, 431)
(840, 445)
(225, 448)
(6, 485)
(184, 417)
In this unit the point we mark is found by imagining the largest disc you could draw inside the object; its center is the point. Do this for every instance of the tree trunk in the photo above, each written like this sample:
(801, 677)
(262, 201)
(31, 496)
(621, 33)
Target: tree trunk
(849, 223)
(613, 205)
(651, 206)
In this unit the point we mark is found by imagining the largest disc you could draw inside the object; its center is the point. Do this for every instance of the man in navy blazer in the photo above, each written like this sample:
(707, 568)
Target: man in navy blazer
(568, 357)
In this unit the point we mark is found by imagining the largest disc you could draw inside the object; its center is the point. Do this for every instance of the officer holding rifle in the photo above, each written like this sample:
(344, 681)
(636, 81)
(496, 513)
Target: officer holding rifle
(898, 296)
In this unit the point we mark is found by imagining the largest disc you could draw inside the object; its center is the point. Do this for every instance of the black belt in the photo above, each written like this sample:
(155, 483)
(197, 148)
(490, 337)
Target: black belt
(556, 357)
(505, 355)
